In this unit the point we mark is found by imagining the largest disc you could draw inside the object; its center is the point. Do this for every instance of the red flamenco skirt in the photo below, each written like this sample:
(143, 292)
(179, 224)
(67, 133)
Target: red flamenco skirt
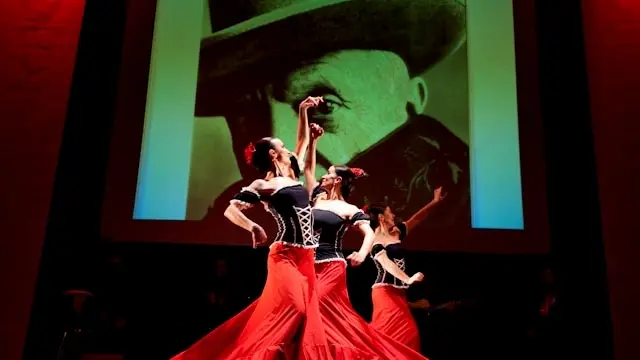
(392, 316)
(284, 323)
(345, 329)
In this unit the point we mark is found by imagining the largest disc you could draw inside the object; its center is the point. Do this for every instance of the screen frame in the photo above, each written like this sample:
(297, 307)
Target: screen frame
(122, 176)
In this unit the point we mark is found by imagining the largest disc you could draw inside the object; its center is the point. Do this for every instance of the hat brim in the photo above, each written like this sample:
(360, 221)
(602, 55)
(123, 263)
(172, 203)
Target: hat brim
(422, 32)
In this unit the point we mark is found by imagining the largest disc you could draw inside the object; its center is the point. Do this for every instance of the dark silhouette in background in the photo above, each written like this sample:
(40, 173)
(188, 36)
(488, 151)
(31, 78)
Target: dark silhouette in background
(173, 295)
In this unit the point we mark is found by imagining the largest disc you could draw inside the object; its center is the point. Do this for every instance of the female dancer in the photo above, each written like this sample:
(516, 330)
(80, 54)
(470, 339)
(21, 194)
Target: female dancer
(332, 217)
(288, 305)
(391, 312)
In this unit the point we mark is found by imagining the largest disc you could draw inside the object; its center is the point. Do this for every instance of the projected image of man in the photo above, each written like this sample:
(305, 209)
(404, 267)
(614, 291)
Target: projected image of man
(368, 69)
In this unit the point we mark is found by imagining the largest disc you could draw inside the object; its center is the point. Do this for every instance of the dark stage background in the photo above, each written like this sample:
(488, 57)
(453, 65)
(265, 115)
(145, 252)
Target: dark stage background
(54, 236)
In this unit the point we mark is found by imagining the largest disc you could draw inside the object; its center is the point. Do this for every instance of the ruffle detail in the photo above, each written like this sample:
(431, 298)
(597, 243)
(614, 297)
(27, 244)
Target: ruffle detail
(251, 190)
(402, 287)
(360, 222)
(242, 205)
(286, 243)
(337, 259)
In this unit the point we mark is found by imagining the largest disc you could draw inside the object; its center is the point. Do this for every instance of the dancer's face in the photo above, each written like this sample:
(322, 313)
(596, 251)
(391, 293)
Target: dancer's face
(280, 153)
(387, 218)
(330, 179)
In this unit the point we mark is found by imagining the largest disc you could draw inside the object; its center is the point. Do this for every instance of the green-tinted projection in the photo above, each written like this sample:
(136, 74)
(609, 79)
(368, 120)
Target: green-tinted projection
(396, 80)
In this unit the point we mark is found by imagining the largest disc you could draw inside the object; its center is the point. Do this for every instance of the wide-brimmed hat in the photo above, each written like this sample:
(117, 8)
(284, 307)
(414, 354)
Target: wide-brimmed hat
(262, 33)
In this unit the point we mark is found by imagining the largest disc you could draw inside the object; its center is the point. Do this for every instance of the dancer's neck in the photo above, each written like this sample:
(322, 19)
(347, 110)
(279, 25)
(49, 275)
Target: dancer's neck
(382, 230)
(335, 194)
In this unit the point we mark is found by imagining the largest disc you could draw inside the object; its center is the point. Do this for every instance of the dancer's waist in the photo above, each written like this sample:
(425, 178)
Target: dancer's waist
(294, 244)
(325, 253)
(397, 284)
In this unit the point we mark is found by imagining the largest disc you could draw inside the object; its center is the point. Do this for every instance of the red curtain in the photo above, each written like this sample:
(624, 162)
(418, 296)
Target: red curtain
(612, 42)
(38, 43)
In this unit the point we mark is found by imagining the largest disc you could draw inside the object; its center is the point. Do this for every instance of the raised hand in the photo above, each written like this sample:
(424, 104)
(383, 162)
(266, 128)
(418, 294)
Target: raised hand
(438, 195)
(311, 101)
(316, 131)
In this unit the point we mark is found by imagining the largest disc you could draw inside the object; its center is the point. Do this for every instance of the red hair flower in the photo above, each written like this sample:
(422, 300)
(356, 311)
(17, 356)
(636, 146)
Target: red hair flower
(365, 208)
(248, 153)
(357, 172)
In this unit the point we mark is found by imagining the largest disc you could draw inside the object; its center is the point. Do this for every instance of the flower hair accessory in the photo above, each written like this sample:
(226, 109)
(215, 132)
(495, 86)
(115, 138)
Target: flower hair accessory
(357, 172)
(248, 153)
(365, 208)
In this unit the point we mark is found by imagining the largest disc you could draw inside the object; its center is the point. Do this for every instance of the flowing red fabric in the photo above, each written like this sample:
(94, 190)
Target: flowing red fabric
(284, 323)
(345, 329)
(392, 316)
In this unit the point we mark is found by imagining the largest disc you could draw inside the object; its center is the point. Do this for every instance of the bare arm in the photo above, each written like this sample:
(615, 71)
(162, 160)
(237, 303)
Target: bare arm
(367, 241)
(361, 222)
(423, 213)
(391, 267)
(419, 216)
(235, 214)
(310, 167)
(302, 139)
(234, 210)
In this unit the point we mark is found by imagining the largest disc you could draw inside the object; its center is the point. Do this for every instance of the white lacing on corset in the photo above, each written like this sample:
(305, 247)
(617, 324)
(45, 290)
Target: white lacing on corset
(397, 282)
(305, 218)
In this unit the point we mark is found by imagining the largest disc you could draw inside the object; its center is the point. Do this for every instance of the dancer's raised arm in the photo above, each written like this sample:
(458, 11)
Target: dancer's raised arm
(423, 213)
(310, 161)
(302, 140)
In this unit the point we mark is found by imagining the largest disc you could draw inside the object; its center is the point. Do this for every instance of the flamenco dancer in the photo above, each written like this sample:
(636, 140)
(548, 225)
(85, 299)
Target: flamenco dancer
(333, 216)
(284, 323)
(391, 313)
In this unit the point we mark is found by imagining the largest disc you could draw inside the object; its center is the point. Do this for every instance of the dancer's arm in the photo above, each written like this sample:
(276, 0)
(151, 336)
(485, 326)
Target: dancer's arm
(361, 221)
(380, 254)
(302, 141)
(247, 197)
(423, 213)
(310, 162)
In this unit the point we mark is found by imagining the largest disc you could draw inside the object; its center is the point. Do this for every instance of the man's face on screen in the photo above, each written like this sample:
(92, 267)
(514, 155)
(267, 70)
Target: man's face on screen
(365, 98)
